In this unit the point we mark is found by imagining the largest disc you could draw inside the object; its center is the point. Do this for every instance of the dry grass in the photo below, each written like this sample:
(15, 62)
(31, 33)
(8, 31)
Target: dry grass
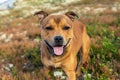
(23, 48)
(25, 33)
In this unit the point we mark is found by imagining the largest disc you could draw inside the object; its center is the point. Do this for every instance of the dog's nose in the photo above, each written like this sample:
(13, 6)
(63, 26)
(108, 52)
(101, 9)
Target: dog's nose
(58, 40)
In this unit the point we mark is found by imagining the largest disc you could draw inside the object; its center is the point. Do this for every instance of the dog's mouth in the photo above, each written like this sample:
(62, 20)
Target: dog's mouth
(57, 50)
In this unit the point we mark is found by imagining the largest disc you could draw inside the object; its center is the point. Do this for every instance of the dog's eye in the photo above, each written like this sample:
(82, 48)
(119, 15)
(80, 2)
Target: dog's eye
(49, 28)
(66, 28)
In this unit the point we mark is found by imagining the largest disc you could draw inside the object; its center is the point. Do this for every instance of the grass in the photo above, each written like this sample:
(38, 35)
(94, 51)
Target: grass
(23, 49)
(104, 51)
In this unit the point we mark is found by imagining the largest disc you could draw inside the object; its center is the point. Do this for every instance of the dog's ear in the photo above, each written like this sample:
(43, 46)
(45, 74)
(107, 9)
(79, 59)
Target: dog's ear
(71, 15)
(41, 15)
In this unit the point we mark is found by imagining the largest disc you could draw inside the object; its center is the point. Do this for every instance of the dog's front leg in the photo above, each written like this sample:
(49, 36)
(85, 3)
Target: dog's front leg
(70, 74)
(85, 51)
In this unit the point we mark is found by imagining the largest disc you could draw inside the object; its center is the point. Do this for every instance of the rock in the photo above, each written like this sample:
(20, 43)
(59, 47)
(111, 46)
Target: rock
(6, 4)
(10, 65)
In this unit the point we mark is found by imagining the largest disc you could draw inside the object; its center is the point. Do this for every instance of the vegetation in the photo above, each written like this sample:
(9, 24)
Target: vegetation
(20, 40)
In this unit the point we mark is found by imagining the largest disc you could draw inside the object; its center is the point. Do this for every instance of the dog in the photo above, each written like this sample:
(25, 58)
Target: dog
(62, 37)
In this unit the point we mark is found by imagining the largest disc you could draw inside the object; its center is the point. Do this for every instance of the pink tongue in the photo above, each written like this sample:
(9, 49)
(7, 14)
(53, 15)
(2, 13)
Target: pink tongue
(58, 50)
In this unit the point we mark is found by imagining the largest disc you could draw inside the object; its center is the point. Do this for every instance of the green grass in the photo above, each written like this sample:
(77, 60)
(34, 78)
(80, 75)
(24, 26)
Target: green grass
(104, 53)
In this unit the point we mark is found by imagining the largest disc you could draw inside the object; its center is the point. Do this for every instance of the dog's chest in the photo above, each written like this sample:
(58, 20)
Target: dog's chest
(56, 65)
(50, 62)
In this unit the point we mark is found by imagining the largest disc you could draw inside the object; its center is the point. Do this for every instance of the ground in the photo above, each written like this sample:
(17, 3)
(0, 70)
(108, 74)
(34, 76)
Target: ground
(20, 38)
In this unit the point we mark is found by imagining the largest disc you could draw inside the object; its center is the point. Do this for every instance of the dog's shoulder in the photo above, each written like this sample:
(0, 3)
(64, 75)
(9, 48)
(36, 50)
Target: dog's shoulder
(78, 26)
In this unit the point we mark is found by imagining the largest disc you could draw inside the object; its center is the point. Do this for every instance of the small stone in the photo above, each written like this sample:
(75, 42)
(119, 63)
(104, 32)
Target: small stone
(10, 65)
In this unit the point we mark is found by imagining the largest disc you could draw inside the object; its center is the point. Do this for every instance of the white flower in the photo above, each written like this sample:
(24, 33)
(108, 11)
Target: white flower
(63, 77)
(3, 36)
(58, 73)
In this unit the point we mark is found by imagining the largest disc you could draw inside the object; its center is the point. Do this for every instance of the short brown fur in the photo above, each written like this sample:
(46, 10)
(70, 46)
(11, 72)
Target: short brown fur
(79, 40)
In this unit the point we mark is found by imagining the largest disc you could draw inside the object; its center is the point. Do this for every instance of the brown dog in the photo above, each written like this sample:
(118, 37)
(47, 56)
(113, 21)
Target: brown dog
(62, 38)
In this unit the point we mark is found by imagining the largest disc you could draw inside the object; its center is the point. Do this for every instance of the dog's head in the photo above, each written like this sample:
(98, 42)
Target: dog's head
(56, 31)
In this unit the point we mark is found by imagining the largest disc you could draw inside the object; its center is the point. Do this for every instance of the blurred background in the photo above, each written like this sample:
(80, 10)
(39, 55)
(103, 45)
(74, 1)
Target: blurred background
(20, 37)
